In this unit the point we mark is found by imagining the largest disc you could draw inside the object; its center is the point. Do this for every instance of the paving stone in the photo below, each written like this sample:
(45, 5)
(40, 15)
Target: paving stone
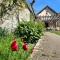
(48, 48)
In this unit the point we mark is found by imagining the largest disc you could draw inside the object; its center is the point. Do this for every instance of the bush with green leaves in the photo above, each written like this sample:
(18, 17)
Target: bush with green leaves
(31, 31)
(3, 32)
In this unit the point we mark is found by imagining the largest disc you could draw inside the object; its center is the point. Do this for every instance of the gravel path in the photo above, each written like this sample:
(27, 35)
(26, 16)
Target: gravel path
(48, 48)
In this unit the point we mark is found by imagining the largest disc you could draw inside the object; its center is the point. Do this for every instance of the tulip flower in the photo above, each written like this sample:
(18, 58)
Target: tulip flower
(25, 46)
(14, 45)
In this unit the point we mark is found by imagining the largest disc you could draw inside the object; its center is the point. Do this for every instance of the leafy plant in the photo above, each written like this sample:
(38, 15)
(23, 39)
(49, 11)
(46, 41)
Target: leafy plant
(3, 32)
(30, 31)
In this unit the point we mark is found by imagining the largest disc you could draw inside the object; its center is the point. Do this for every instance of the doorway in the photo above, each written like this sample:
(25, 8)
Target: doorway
(46, 24)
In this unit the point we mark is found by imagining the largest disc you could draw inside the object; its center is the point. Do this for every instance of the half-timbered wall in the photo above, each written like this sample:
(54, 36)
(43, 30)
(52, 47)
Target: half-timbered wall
(51, 17)
(46, 12)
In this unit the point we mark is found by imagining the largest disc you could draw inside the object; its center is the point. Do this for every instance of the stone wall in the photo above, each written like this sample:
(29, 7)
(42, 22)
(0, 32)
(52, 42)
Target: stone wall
(10, 20)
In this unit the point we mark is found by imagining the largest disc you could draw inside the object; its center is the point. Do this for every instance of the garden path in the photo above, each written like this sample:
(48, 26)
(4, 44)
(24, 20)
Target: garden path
(47, 48)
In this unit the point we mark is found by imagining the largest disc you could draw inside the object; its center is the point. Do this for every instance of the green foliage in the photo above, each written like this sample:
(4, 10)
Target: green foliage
(56, 32)
(7, 54)
(30, 31)
(3, 32)
(8, 5)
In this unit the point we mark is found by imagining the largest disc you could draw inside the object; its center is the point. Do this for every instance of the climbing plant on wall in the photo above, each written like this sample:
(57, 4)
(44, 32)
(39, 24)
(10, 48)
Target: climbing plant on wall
(6, 5)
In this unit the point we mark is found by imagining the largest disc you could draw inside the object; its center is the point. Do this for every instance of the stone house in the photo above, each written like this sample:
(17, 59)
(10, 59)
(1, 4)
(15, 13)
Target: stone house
(50, 17)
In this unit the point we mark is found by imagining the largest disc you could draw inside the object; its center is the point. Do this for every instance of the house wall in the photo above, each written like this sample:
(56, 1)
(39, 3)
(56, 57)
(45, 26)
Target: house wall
(58, 25)
(48, 11)
(49, 16)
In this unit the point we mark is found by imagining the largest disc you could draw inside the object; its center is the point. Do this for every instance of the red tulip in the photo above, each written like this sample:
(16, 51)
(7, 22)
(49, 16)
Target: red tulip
(25, 46)
(14, 46)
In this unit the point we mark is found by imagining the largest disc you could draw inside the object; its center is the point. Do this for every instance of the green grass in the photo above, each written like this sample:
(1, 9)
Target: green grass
(56, 32)
(7, 54)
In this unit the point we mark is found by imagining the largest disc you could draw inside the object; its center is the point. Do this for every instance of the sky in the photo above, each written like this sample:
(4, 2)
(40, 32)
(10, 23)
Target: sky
(40, 4)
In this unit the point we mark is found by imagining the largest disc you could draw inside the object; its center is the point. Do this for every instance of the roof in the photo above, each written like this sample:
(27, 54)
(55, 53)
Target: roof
(48, 8)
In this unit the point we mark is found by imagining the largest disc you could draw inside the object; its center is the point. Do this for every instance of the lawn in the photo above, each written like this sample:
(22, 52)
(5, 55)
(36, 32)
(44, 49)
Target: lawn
(56, 32)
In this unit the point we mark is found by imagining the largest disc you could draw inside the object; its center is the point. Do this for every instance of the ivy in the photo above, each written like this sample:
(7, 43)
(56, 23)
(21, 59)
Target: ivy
(8, 5)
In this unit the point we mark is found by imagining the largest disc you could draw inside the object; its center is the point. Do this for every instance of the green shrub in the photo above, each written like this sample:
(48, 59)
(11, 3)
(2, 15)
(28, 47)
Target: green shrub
(3, 32)
(31, 31)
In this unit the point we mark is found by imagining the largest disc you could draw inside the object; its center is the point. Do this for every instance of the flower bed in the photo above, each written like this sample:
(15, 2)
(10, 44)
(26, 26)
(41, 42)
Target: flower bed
(19, 44)
(7, 54)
